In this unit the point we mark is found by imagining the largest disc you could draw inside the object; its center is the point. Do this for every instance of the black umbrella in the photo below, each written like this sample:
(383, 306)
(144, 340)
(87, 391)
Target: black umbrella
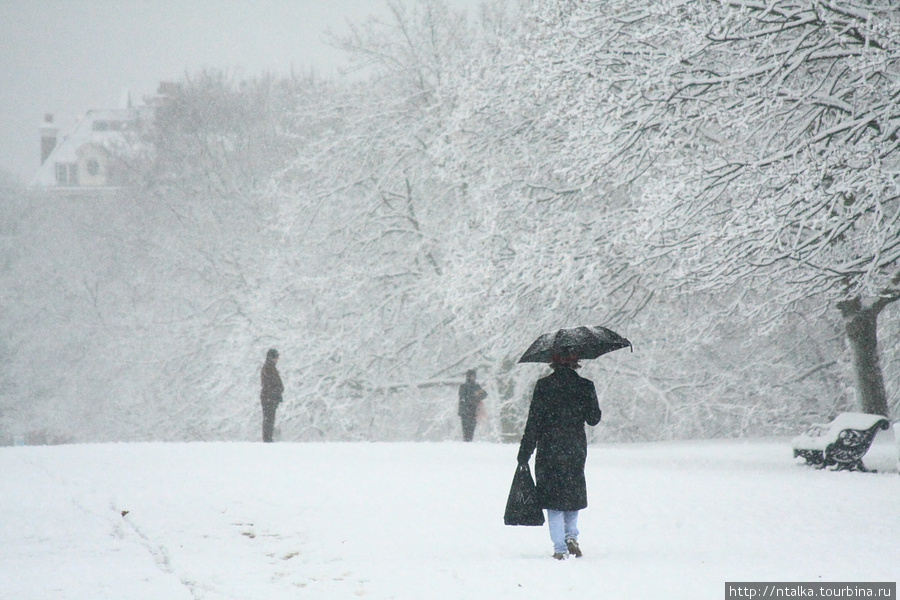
(586, 342)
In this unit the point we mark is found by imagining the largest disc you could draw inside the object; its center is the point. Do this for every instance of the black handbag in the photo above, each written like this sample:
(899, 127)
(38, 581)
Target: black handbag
(522, 506)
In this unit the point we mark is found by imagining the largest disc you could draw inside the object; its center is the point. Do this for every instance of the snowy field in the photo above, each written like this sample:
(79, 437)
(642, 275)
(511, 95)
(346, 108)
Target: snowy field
(425, 521)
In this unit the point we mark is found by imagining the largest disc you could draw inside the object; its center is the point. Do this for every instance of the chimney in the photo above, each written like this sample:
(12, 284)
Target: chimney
(48, 137)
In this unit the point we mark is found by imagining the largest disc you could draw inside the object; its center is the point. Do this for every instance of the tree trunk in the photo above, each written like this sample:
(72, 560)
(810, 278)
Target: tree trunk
(861, 325)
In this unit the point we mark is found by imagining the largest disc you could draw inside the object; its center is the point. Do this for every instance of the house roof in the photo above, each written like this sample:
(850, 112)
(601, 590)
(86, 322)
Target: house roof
(104, 128)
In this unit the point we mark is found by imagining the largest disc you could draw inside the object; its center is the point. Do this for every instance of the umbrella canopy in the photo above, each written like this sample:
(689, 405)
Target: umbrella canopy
(586, 342)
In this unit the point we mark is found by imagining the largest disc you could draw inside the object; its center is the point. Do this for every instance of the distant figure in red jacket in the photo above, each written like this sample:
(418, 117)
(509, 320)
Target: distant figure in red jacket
(271, 394)
(470, 396)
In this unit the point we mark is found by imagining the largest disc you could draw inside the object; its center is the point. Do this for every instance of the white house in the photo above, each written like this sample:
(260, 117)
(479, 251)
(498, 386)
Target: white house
(91, 157)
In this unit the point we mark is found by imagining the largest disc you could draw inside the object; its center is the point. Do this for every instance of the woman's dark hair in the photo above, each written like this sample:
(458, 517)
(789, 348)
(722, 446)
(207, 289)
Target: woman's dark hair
(566, 357)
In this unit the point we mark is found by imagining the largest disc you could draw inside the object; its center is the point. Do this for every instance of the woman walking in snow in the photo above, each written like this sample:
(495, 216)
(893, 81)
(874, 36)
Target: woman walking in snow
(562, 403)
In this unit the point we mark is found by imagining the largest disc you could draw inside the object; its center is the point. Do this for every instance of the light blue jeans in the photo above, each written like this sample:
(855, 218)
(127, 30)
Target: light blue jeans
(563, 526)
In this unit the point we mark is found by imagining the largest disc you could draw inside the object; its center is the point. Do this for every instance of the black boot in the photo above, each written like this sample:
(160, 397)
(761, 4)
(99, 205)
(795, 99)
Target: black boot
(574, 550)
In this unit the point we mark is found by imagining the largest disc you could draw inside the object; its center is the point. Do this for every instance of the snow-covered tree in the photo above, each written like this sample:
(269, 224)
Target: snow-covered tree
(208, 189)
(760, 139)
(384, 214)
(799, 99)
(474, 185)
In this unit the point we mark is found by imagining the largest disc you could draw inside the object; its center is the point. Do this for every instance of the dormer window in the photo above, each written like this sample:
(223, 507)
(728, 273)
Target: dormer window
(93, 167)
(67, 173)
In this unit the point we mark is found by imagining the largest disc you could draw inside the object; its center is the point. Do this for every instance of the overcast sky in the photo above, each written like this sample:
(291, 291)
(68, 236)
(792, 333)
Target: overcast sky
(68, 56)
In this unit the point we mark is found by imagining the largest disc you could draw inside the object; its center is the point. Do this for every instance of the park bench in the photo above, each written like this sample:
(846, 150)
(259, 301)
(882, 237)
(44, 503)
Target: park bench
(841, 443)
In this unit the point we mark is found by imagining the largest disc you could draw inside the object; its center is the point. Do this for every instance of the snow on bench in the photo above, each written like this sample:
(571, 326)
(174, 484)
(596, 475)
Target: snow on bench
(843, 442)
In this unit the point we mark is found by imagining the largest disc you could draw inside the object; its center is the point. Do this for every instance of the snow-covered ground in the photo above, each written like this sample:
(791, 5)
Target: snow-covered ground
(410, 521)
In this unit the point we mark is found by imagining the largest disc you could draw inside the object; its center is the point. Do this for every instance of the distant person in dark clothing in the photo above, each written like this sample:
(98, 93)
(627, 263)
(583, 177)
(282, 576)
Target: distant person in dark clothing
(562, 403)
(470, 397)
(271, 394)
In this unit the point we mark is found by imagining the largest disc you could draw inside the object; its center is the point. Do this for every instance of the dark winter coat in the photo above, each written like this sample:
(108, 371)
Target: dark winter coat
(562, 403)
(470, 396)
(272, 388)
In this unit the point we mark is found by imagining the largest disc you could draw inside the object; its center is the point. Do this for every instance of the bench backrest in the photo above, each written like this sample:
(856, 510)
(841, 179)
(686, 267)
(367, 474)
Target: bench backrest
(820, 436)
(854, 421)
